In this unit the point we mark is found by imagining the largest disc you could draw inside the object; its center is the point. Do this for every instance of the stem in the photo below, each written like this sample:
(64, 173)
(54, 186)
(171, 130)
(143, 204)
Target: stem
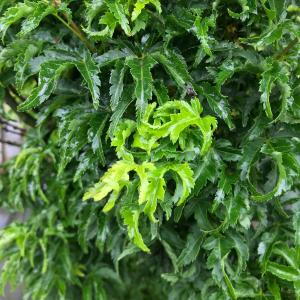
(285, 50)
(77, 31)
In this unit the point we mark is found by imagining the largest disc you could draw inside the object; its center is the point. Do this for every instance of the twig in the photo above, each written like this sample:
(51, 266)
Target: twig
(77, 31)
(285, 50)
(72, 26)
(10, 143)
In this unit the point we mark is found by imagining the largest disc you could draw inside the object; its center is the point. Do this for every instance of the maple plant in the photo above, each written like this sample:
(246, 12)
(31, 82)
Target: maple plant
(161, 156)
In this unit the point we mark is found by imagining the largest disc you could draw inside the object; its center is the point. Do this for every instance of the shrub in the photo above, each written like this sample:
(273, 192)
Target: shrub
(161, 154)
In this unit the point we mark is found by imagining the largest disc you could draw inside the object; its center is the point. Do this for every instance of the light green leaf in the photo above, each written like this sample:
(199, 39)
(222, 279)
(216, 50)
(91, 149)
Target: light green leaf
(140, 5)
(113, 180)
(287, 253)
(188, 115)
(131, 219)
(130, 213)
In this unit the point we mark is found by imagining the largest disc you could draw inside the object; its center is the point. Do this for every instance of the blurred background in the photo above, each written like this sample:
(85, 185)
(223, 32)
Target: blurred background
(10, 141)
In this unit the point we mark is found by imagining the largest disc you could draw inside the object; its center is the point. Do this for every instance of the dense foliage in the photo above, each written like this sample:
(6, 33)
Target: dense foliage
(182, 117)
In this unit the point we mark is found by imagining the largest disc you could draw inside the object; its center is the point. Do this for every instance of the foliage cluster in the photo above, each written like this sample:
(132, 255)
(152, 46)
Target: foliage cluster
(161, 158)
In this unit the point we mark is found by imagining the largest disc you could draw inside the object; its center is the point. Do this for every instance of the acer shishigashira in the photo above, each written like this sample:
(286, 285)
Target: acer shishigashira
(161, 150)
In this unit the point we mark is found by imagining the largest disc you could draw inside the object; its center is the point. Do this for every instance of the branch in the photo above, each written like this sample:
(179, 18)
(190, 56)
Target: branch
(77, 31)
(11, 102)
(10, 143)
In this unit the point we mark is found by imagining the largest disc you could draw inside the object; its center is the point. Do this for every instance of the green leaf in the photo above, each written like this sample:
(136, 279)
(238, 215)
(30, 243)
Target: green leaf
(125, 101)
(287, 253)
(161, 92)
(205, 171)
(140, 23)
(112, 56)
(93, 7)
(217, 103)
(13, 15)
(51, 71)
(116, 81)
(283, 272)
(171, 254)
(235, 205)
(226, 71)
(48, 78)
(97, 130)
(110, 23)
(140, 69)
(176, 66)
(40, 11)
(118, 11)
(230, 288)
(89, 71)
(201, 28)
(23, 62)
(274, 288)
(296, 223)
(224, 188)
(275, 72)
(281, 184)
(191, 250)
